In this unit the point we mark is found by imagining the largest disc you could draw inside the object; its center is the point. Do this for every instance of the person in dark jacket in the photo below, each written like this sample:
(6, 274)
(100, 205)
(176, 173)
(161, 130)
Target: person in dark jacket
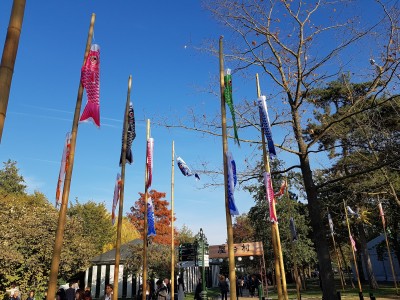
(223, 287)
(199, 289)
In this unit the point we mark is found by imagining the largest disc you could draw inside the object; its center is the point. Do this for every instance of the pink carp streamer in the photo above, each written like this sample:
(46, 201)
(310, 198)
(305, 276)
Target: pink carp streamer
(117, 190)
(63, 169)
(149, 161)
(90, 79)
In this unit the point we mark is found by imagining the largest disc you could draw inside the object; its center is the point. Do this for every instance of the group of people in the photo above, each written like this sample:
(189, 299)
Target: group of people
(247, 282)
(162, 290)
(73, 292)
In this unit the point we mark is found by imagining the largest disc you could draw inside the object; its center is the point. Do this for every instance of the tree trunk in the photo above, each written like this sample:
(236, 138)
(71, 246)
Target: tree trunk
(316, 212)
(373, 284)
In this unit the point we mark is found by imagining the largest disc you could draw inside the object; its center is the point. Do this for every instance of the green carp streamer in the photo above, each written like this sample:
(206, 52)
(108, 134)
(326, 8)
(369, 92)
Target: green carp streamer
(229, 102)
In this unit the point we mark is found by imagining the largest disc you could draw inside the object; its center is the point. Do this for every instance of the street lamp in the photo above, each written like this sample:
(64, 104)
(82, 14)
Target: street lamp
(201, 241)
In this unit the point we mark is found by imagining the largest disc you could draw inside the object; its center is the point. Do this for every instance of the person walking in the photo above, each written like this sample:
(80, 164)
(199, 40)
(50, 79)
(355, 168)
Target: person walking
(162, 291)
(70, 292)
(181, 289)
(31, 295)
(223, 287)
(108, 292)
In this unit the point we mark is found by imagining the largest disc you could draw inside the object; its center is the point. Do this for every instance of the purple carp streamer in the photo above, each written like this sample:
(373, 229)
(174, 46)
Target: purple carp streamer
(185, 169)
(151, 229)
(262, 105)
(232, 180)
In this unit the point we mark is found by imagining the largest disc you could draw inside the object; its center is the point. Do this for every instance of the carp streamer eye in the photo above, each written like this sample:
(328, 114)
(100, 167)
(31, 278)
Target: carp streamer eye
(93, 59)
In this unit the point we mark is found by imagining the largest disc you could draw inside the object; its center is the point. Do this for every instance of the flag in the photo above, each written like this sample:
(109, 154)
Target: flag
(353, 243)
(149, 161)
(381, 213)
(229, 101)
(270, 197)
(63, 168)
(185, 169)
(130, 136)
(281, 189)
(330, 224)
(232, 180)
(352, 212)
(117, 189)
(151, 229)
(293, 231)
(262, 105)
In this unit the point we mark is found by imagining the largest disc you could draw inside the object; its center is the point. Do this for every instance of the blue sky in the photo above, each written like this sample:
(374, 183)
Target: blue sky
(153, 41)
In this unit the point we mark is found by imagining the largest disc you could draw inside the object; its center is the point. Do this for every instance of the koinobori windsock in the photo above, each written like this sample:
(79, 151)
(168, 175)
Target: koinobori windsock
(232, 180)
(352, 212)
(353, 243)
(229, 101)
(185, 169)
(262, 105)
(382, 214)
(117, 190)
(331, 224)
(151, 228)
(131, 134)
(63, 169)
(270, 197)
(293, 231)
(149, 161)
(282, 189)
(90, 79)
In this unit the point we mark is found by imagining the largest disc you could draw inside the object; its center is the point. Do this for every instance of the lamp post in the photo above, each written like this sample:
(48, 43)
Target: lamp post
(201, 241)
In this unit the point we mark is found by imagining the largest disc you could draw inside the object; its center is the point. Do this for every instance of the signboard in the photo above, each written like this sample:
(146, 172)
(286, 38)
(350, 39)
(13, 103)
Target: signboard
(242, 249)
(206, 261)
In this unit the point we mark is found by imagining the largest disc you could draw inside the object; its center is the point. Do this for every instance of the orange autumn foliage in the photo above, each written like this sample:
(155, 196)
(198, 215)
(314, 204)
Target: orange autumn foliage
(162, 217)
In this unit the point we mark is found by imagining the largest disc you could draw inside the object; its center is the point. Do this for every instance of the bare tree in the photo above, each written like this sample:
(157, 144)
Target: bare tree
(298, 46)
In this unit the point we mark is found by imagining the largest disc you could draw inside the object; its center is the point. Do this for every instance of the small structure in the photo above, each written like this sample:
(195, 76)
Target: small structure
(101, 272)
(380, 263)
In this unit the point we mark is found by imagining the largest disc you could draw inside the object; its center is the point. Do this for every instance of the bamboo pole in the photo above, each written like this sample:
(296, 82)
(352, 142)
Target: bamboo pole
(352, 250)
(172, 224)
(146, 177)
(274, 226)
(229, 229)
(9, 56)
(342, 280)
(294, 247)
(388, 249)
(121, 197)
(55, 262)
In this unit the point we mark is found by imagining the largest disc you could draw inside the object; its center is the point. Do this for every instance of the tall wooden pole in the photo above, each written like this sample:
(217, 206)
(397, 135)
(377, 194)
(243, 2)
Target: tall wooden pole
(146, 178)
(387, 246)
(274, 226)
(9, 55)
(352, 249)
(231, 254)
(342, 280)
(121, 197)
(55, 262)
(172, 224)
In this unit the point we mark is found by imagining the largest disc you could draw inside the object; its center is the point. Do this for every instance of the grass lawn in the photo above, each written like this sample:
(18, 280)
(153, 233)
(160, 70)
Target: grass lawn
(386, 291)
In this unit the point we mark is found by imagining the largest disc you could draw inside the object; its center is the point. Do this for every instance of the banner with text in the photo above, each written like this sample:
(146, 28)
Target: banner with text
(242, 249)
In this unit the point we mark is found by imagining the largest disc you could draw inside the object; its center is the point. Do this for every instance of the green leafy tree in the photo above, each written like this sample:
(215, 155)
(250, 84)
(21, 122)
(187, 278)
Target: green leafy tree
(10, 180)
(96, 222)
(185, 235)
(27, 231)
